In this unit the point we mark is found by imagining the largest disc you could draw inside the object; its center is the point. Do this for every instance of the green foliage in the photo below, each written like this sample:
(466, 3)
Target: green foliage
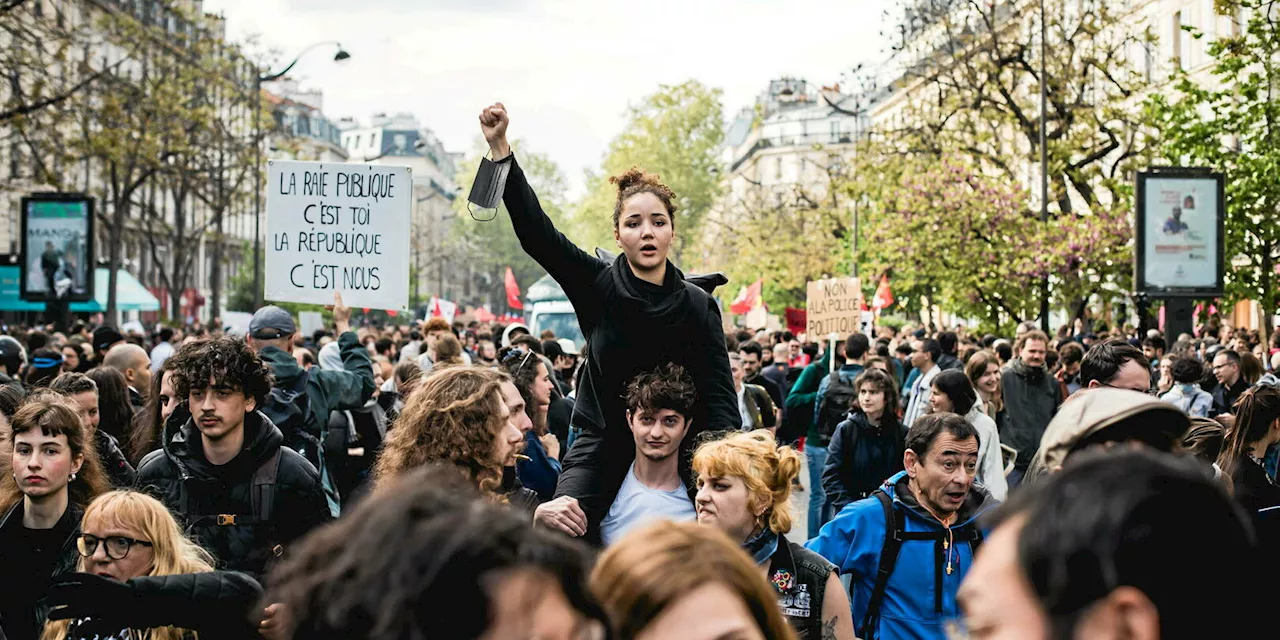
(1231, 123)
(676, 133)
(491, 246)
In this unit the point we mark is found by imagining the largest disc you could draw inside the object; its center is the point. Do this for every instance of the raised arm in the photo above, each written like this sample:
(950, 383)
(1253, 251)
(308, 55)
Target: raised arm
(572, 267)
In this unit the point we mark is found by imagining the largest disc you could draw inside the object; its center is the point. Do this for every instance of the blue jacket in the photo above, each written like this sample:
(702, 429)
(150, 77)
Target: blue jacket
(853, 540)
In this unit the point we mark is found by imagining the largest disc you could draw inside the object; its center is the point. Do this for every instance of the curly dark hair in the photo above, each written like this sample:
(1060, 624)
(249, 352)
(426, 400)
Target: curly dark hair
(666, 387)
(634, 181)
(419, 557)
(226, 361)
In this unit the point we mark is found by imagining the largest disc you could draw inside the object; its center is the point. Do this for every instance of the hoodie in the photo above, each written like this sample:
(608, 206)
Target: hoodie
(1031, 397)
(197, 492)
(913, 607)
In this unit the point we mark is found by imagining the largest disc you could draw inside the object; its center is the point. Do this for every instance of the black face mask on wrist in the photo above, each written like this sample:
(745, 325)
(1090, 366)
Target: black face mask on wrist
(489, 185)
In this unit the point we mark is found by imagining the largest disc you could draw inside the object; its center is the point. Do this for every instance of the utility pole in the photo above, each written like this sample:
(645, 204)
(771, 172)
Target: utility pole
(1044, 163)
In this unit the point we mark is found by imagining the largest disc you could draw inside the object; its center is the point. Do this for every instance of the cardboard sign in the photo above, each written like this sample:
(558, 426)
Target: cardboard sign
(834, 306)
(338, 227)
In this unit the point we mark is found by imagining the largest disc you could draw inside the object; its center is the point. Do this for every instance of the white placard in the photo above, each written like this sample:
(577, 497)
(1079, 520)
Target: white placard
(310, 321)
(338, 227)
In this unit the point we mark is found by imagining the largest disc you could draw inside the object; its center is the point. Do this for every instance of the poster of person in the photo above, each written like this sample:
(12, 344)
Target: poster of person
(57, 251)
(1180, 232)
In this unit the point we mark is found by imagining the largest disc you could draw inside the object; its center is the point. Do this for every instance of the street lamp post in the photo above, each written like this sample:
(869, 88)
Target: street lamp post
(257, 175)
(1044, 164)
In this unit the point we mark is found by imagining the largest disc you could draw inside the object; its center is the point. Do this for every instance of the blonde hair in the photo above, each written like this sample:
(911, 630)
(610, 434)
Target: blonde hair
(655, 566)
(767, 469)
(173, 552)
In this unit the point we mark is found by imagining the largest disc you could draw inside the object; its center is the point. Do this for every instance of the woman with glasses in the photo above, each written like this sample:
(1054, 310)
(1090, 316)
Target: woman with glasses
(140, 577)
(638, 312)
(49, 472)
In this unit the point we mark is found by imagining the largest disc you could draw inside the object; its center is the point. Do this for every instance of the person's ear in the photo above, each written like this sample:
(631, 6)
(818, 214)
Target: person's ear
(617, 237)
(1124, 613)
(251, 404)
(77, 461)
(909, 461)
(1094, 384)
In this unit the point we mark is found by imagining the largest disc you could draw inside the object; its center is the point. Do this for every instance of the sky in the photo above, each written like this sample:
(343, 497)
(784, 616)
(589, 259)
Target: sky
(565, 69)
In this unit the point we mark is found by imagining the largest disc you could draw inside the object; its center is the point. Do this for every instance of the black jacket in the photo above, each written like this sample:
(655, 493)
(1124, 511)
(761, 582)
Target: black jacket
(631, 327)
(198, 492)
(1224, 398)
(30, 621)
(860, 458)
(118, 469)
(214, 604)
(1031, 397)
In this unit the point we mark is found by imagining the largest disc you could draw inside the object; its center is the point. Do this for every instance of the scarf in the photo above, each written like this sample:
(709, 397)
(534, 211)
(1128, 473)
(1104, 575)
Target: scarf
(1032, 374)
(762, 546)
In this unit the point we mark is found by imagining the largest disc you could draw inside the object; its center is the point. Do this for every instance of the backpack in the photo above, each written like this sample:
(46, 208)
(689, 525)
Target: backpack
(834, 405)
(289, 408)
(895, 534)
(262, 499)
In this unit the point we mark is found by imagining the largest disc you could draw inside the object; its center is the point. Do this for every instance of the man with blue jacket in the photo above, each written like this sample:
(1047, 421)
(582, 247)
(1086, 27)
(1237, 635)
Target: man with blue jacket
(908, 546)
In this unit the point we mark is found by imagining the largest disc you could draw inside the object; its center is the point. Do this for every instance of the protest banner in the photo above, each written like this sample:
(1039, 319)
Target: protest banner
(834, 307)
(338, 227)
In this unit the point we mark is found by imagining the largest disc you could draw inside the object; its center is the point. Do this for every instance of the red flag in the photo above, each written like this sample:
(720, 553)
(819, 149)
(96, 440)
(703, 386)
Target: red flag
(748, 298)
(513, 290)
(797, 320)
(884, 295)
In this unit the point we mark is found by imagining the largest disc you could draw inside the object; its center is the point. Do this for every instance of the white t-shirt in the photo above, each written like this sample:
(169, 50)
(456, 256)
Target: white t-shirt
(637, 505)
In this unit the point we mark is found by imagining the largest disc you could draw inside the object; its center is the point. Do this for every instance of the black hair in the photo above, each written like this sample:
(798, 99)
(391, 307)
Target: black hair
(1186, 370)
(856, 346)
(421, 557)
(787, 336)
(1155, 342)
(903, 348)
(667, 387)
(534, 344)
(928, 427)
(1004, 351)
(1232, 355)
(752, 347)
(988, 340)
(41, 376)
(954, 384)
(932, 347)
(37, 340)
(885, 383)
(225, 361)
(115, 411)
(166, 334)
(383, 346)
(1115, 518)
(947, 341)
(1102, 362)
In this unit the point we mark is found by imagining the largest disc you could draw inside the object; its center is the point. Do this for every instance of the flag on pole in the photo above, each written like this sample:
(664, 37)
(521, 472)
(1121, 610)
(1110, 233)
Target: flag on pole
(513, 290)
(884, 295)
(748, 298)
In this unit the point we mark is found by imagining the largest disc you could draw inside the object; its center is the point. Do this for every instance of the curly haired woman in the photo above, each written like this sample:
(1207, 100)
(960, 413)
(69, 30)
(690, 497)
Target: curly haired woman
(457, 414)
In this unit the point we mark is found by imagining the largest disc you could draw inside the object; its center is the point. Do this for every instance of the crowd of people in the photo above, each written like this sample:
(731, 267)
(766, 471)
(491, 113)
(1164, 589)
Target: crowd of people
(467, 480)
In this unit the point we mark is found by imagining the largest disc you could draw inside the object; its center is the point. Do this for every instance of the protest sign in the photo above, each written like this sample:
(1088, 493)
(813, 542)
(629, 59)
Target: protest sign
(310, 321)
(338, 227)
(834, 306)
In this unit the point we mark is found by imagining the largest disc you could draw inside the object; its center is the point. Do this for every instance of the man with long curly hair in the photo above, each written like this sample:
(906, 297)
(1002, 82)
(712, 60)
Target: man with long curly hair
(457, 415)
(225, 473)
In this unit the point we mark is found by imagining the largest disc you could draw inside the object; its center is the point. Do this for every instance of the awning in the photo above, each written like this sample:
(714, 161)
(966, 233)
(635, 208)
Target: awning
(130, 294)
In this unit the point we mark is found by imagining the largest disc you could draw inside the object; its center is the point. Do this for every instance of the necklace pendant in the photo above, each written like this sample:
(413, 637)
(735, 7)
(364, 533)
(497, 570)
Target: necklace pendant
(946, 544)
(948, 568)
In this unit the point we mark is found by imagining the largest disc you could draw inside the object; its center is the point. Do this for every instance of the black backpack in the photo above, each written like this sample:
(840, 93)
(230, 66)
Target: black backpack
(834, 405)
(895, 534)
(289, 408)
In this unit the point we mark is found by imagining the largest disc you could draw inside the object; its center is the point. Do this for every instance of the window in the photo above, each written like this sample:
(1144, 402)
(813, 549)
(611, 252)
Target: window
(1176, 40)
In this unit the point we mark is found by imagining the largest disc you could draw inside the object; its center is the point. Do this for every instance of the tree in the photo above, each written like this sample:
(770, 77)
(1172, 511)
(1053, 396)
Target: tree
(973, 70)
(491, 246)
(969, 241)
(1231, 123)
(676, 133)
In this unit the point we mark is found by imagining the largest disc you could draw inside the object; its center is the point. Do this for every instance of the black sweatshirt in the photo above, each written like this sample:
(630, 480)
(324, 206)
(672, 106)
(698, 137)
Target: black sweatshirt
(631, 326)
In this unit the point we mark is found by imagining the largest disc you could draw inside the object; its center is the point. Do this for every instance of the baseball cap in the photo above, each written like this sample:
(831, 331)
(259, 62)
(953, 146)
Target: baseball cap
(271, 322)
(551, 349)
(104, 337)
(568, 346)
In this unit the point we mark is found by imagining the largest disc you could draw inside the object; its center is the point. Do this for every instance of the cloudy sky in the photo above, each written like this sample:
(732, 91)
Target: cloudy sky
(566, 69)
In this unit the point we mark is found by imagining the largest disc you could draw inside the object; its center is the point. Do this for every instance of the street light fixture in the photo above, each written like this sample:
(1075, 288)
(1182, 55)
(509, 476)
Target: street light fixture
(340, 56)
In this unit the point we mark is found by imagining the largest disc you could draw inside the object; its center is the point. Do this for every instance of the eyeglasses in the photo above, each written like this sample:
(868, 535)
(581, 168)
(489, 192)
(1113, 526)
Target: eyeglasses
(117, 546)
